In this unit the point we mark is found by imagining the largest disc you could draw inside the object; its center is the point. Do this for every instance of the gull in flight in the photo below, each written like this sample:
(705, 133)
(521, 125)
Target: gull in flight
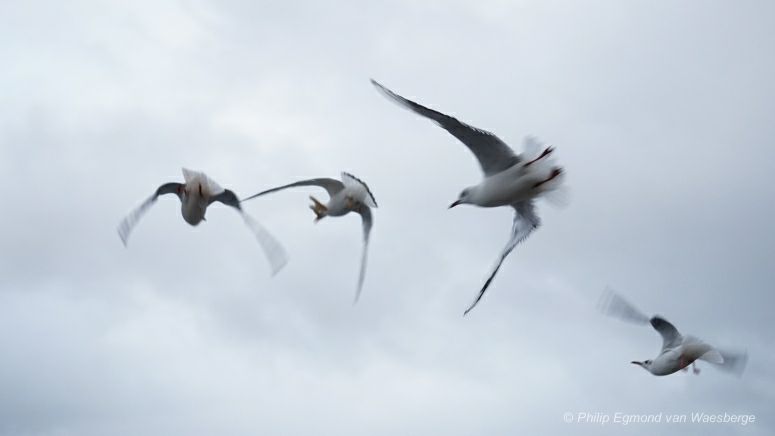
(196, 194)
(678, 351)
(350, 194)
(510, 179)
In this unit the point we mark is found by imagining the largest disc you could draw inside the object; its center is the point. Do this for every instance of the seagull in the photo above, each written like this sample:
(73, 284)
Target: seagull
(196, 194)
(350, 194)
(510, 179)
(678, 351)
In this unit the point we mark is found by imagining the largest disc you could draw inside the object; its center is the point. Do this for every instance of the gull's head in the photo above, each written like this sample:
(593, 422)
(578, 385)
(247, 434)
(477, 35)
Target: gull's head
(646, 364)
(465, 197)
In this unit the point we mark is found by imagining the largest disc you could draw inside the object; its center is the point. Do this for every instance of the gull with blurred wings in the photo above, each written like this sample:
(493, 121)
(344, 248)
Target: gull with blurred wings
(678, 351)
(350, 194)
(196, 195)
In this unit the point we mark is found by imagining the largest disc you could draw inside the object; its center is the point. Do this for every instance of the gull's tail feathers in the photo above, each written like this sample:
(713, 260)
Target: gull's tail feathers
(360, 189)
(734, 362)
(613, 304)
(558, 197)
(713, 356)
(539, 163)
(209, 187)
(533, 147)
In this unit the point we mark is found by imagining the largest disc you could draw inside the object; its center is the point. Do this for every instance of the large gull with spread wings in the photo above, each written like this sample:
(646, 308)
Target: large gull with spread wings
(510, 179)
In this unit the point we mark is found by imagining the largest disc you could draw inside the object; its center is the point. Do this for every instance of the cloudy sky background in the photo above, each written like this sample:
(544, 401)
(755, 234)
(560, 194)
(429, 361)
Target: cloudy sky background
(661, 112)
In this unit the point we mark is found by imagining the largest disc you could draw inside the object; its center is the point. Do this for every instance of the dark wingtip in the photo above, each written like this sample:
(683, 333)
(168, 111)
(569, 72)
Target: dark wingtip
(381, 88)
(358, 293)
(122, 237)
(481, 294)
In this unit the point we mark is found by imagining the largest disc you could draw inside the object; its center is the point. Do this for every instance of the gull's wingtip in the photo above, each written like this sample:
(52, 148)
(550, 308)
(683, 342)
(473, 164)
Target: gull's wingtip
(359, 288)
(379, 86)
(279, 267)
(471, 307)
(123, 237)
(278, 259)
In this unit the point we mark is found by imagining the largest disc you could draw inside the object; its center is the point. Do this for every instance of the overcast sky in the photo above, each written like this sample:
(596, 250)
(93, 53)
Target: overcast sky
(660, 111)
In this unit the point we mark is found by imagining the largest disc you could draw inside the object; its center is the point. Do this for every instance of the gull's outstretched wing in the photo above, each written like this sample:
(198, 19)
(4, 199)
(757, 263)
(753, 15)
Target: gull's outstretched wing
(670, 336)
(227, 197)
(365, 213)
(333, 186)
(275, 253)
(128, 223)
(525, 221)
(493, 154)
(613, 304)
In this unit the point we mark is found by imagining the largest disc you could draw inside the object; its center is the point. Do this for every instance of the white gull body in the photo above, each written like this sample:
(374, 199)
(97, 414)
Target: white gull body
(510, 179)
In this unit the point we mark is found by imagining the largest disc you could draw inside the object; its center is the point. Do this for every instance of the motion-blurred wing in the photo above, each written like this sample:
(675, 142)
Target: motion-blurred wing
(525, 221)
(367, 221)
(332, 186)
(274, 251)
(493, 154)
(227, 197)
(128, 223)
(613, 304)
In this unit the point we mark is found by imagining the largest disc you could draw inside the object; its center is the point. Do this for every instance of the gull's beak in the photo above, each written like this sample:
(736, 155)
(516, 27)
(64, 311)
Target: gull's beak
(457, 202)
(635, 362)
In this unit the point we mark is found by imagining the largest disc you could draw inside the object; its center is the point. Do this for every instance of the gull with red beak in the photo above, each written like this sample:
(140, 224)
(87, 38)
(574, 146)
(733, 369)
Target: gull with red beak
(350, 194)
(510, 179)
(678, 351)
(195, 195)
